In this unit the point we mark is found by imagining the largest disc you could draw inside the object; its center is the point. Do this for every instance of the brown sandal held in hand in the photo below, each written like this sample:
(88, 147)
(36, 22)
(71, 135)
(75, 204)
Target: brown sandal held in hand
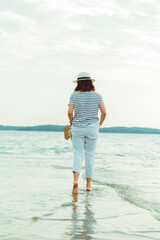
(67, 133)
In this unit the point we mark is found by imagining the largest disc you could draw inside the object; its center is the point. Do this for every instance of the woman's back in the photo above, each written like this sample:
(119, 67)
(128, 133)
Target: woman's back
(86, 105)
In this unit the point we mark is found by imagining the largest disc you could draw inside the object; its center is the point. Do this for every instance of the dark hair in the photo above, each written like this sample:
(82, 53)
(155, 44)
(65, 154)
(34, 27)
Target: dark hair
(84, 86)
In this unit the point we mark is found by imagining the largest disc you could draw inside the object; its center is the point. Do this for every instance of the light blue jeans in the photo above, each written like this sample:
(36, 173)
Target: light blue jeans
(84, 139)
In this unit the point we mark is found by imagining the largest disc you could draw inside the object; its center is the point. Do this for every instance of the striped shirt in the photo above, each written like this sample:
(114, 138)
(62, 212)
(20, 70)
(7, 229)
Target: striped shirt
(86, 105)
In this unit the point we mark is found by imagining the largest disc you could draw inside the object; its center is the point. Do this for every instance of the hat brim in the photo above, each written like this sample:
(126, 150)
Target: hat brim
(93, 80)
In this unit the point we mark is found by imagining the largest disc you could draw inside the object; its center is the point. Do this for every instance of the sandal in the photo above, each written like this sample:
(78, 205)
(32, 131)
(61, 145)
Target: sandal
(67, 133)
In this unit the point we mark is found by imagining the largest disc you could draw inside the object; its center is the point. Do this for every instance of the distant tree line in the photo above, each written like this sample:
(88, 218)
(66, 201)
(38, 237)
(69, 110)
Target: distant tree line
(59, 128)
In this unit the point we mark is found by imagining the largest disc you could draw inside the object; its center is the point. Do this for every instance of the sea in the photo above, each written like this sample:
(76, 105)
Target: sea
(36, 200)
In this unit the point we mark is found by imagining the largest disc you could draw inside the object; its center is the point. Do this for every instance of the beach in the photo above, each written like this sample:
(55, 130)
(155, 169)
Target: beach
(36, 188)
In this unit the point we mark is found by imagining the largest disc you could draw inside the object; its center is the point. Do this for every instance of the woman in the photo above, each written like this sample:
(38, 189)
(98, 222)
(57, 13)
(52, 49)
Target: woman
(85, 103)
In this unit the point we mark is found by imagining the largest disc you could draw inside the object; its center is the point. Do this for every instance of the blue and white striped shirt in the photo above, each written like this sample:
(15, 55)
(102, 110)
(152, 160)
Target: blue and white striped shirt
(86, 105)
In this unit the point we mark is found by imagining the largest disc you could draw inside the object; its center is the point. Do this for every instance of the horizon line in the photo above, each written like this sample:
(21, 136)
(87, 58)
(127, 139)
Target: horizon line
(61, 125)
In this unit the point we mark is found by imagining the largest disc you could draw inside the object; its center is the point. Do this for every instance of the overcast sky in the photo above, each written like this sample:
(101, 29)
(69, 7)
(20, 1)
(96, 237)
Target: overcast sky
(44, 44)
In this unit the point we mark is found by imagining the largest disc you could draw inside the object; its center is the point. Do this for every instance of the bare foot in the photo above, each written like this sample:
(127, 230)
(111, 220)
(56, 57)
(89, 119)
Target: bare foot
(75, 188)
(88, 188)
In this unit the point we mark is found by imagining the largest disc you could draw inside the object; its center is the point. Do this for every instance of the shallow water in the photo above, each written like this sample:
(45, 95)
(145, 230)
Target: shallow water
(36, 183)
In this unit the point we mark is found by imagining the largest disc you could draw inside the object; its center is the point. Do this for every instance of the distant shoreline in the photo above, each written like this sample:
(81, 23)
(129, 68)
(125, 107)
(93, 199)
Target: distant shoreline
(59, 128)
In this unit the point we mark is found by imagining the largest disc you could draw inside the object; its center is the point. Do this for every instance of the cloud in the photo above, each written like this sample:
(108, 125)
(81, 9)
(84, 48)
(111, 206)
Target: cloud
(82, 7)
(67, 28)
(14, 17)
(17, 34)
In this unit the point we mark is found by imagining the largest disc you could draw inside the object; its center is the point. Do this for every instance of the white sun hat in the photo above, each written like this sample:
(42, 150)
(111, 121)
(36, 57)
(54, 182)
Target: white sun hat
(84, 76)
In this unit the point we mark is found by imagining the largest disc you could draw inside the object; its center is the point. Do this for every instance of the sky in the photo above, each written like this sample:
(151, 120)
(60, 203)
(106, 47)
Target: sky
(44, 44)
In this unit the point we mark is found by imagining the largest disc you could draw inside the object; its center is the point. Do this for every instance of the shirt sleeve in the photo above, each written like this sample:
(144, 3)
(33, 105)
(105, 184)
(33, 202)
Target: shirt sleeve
(100, 99)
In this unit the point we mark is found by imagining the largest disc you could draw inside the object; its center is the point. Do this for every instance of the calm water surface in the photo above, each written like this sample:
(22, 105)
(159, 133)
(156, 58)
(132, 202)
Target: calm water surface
(36, 182)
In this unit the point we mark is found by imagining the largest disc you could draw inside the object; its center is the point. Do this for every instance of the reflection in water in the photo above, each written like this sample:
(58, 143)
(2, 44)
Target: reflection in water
(82, 222)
